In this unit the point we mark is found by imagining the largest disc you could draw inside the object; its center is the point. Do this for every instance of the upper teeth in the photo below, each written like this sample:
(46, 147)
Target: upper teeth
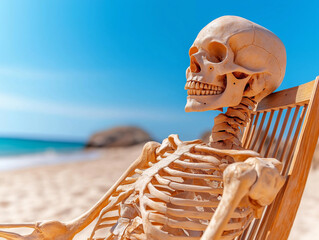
(197, 88)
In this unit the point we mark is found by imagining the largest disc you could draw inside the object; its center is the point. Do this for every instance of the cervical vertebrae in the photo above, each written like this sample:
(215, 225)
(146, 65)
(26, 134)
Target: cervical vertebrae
(228, 127)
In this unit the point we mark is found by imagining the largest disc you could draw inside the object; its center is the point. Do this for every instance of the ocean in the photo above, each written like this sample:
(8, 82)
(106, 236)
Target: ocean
(18, 153)
(18, 146)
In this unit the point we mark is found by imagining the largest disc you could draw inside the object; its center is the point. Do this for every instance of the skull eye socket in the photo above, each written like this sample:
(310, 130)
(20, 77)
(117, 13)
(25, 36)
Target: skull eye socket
(240, 75)
(193, 50)
(217, 52)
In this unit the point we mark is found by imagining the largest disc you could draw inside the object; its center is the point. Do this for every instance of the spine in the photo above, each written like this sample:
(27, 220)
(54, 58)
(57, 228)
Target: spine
(229, 127)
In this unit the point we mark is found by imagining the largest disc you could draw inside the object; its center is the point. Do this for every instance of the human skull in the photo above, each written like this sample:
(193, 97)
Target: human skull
(231, 58)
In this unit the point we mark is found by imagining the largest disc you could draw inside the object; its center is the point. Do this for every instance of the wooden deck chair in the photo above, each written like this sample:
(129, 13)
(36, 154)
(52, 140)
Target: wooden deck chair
(284, 126)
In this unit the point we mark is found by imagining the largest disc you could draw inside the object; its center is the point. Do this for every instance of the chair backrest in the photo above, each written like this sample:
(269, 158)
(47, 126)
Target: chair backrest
(285, 126)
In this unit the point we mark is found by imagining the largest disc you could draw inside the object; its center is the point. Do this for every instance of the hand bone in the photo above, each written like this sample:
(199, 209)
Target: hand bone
(256, 181)
(45, 230)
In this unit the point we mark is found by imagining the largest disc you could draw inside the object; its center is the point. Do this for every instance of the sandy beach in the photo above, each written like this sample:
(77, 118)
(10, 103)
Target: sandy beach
(65, 190)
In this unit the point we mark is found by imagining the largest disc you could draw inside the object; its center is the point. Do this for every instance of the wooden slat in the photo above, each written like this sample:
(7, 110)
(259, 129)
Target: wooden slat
(287, 98)
(248, 129)
(251, 135)
(244, 234)
(253, 229)
(283, 128)
(290, 196)
(292, 145)
(260, 127)
(266, 131)
(264, 223)
(289, 133)
(274, 131)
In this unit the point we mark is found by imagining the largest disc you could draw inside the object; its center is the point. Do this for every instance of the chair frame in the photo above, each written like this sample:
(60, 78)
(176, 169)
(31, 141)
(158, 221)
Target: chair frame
(278, 218)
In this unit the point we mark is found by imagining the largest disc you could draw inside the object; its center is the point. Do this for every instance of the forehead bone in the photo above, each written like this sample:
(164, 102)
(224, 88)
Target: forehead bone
(221, 29)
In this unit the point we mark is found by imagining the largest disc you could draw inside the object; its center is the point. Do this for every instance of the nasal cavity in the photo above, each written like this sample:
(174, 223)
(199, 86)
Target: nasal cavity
(195, 68)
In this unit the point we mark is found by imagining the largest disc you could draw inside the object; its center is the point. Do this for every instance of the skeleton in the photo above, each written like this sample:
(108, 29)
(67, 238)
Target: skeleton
(193, 190)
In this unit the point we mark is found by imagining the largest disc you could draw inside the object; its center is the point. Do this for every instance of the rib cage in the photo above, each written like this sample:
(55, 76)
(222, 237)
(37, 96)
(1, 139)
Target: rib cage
(176, 197)
(182, 197)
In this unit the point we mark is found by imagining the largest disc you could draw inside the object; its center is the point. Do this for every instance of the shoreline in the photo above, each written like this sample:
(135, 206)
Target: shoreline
(22, 161)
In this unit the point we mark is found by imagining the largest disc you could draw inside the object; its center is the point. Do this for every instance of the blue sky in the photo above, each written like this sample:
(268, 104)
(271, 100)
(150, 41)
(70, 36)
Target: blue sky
(69, 68)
